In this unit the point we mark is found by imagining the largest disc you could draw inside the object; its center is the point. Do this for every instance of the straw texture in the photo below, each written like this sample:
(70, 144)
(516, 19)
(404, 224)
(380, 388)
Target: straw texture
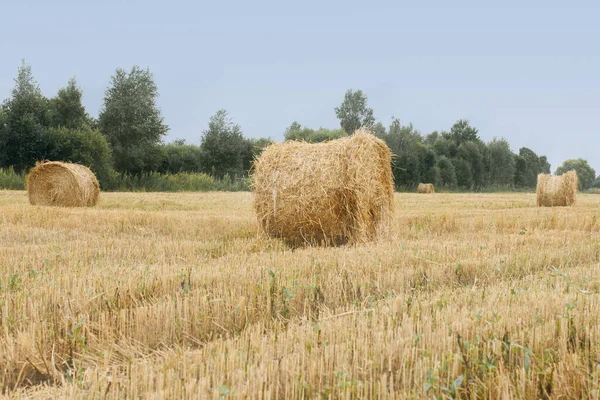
(426, 188)
(330, 193)
(55, 183)
(557, 191)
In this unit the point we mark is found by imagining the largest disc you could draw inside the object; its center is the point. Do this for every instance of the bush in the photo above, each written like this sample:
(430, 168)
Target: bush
(148, 182)
(180, 182)
(85, 146)
(181, 158)
(11, 180)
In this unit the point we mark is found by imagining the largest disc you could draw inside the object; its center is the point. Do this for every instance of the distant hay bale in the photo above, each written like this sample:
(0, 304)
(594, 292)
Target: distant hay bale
(330, 193)
(425, 188)
(557, 191)
(56, 183)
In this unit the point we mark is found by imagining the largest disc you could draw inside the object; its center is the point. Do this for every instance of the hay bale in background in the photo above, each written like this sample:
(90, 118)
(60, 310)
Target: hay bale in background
(331, 193)
(425, 188)
(557, 191)
(56, 183)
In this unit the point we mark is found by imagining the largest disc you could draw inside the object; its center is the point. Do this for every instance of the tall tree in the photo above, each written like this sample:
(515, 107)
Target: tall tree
(131, 120)
(379, 130)
(412, 159)
(472, 154)
(223, 146)
(585, 173)
(501, 163)
(447, 172)
(462, 132)
(25, 117)
(431, 138)
(543, 165)
(353, 113)
(445, 147)
(67, 110)
(464, 176)
(252, 149)
(527, 167)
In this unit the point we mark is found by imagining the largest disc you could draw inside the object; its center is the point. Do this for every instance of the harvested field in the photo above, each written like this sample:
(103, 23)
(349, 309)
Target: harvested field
(178, 296)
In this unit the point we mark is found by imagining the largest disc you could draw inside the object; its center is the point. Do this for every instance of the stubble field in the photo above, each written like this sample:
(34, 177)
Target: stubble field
(177, 296)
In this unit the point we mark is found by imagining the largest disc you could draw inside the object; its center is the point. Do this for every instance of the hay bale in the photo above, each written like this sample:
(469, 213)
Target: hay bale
(330, 193)
(425, 188)
(557, 191)
(56, 183)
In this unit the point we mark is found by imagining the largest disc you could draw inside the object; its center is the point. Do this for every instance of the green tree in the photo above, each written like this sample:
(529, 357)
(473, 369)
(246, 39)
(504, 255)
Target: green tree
(25, 118)
(543, 165)
(432, 175)
(379, 130)
(294, 127)
(431, 138)
(252, 149)
(445, 147)
(353, 113)
(413, 161)
(527, 167)
(462, 132)
(222, 146)
(181, 157)
(131, 120)
(501, 163)
(585, 173)
(66, 108)
(464, 176)
(521, 168)
(447, 172)
(300, 133)
(472, 154)
(82, 145)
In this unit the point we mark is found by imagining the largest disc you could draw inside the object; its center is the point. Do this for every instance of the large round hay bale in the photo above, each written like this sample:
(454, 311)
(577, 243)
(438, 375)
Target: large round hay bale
(55, 183)
(426, 188)
(557, 191)
(330, 193)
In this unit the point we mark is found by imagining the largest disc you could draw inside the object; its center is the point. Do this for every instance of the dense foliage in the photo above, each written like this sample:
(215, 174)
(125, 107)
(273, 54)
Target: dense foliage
(125, 146)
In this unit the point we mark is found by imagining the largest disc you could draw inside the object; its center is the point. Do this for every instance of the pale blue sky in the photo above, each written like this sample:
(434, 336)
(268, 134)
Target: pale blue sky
(526, 71)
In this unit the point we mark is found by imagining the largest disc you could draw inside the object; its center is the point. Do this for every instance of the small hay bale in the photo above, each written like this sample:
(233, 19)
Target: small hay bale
(557, 191)
(425, 188)
(329, 193)
(55, 183)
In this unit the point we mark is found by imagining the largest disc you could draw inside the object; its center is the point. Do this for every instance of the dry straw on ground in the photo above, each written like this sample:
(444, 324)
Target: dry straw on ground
(425, 188)
(557, 191)
(330, 193)
(56, 183)
(95, 304)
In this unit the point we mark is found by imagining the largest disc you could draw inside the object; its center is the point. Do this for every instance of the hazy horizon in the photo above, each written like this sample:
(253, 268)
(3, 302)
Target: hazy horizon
(528, 74)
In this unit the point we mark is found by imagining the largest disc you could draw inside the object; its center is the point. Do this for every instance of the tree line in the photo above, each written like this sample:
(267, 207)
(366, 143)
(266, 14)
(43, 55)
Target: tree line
(454, 159)
(127, 139)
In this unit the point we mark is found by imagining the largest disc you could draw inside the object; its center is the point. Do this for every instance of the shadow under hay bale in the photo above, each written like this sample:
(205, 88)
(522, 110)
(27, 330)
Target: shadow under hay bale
(425, 188)
(55, 183)
(557, 191)
(331, 193)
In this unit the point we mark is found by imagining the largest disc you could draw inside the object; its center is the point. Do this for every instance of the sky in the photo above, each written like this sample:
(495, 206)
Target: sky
(525, 71)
